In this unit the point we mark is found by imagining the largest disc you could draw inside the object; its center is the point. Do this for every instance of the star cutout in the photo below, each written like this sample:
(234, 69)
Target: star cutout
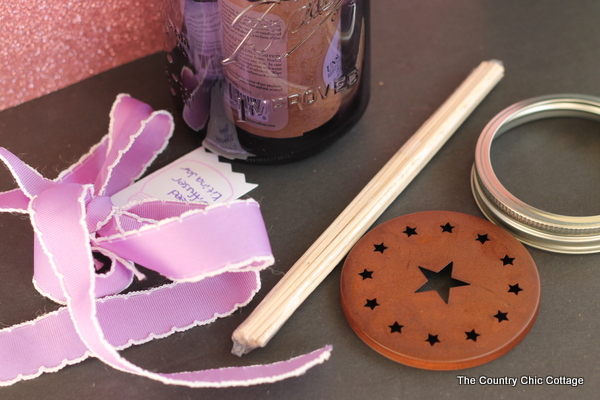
(501, 316)
(372, 304)
(507, 260)
(482, 238)
(396, 327)
(441, 281)
(447, 227)
(432, 339)
(366, 274)
(410, 231)
(380, 248)
(472, 335)
(514, 289)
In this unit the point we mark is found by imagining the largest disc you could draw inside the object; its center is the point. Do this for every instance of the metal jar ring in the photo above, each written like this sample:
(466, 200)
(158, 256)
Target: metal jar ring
(535, 227)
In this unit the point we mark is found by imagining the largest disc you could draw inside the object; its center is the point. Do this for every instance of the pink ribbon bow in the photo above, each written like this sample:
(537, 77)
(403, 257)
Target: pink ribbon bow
(211, 253)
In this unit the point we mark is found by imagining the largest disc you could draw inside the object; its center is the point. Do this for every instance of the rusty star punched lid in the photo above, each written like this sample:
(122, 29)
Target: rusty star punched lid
(440, 290)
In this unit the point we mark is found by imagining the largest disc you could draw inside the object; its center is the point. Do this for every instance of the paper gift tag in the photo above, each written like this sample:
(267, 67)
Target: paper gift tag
(198, 176)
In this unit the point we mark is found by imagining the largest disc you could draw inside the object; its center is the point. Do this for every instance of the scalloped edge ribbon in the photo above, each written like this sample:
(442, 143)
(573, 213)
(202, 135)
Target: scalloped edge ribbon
(213, 254)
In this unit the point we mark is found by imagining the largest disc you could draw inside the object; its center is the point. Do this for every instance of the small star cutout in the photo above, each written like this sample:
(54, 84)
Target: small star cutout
(501, 316)
(472, 335)
(432, 339)
(482, 238)
(380, 248)
(447, 227)
(372, 304)
(396, 327)
(507, 260)
(366, 274)
(410, 231)
(514, 289)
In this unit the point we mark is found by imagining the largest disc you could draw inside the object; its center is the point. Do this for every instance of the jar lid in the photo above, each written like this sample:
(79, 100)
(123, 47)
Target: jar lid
(535, 227)
(440, 290)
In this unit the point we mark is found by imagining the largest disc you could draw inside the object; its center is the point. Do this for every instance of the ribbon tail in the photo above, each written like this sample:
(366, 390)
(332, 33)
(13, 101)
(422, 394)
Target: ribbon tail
(46, 344)
(51, 342)
(58, 218)
(14, 201)
(137, 135)
(253, 375)
(24, 355)
(29, 180)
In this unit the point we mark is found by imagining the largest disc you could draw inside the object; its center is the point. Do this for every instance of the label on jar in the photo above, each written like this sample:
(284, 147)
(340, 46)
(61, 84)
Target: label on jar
(259, 73)
(282, 60)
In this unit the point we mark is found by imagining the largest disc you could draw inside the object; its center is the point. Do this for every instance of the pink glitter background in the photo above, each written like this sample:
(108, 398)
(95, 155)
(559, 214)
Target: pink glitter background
(49, 44)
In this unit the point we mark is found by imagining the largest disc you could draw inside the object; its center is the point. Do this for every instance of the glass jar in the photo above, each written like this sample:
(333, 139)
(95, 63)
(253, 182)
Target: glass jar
(268, 81)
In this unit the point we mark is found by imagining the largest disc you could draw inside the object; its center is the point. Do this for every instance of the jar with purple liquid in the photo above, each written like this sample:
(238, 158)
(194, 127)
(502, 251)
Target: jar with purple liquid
(268, 81)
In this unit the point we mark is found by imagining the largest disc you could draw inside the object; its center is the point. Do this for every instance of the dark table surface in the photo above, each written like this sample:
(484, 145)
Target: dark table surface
(421, 51)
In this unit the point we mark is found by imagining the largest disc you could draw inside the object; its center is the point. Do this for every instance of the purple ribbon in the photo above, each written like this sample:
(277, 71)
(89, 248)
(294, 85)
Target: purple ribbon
(211, 253)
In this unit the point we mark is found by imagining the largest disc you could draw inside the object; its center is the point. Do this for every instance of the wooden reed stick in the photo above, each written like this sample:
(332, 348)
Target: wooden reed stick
(337, 240)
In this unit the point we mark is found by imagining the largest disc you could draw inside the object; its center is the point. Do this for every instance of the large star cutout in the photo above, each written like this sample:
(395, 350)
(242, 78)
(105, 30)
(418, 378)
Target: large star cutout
(432, 339)
(396, 327)
(366, 274)
(514, 289)
(380, 248)
(441, 281)
(410, 231)
(372, 304)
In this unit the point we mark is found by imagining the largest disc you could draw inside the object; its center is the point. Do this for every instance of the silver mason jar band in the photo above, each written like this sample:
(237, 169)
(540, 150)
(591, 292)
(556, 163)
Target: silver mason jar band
(538, 228)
